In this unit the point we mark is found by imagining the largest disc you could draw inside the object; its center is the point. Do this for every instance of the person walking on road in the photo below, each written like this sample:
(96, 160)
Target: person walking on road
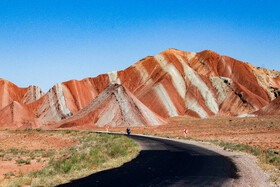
(128, 131)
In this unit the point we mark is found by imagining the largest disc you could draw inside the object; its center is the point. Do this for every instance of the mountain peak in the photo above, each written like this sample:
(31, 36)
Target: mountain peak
(172, 83)
(115, 106)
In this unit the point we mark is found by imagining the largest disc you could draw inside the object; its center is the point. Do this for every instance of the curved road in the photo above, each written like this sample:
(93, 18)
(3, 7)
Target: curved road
(164, 162)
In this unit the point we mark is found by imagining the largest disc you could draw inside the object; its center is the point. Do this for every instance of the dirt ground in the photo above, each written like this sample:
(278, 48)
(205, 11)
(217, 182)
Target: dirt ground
(262, 131)
(16, 145)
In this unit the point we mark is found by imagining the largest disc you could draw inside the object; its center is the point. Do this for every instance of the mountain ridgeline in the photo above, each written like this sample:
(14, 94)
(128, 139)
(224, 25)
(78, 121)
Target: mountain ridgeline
(172, 83)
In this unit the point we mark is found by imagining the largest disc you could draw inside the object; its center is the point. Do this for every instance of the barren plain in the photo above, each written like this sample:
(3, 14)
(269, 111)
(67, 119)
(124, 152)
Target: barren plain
(260, 131)
(23, 152)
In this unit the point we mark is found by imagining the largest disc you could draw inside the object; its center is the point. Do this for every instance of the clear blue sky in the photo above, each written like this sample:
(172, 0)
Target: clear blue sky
(43, 42)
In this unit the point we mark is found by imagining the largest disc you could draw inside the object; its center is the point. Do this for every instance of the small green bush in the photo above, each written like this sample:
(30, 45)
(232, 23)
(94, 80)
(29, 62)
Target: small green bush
(92, 151)
(21, 161)
(8, 175)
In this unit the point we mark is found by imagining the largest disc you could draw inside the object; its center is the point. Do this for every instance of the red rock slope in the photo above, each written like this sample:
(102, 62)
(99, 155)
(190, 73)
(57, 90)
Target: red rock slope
(115, 106)
(272, 108)
(199, 84)
(16, 115)
(10, 92)
(65, 99)
(171, 83)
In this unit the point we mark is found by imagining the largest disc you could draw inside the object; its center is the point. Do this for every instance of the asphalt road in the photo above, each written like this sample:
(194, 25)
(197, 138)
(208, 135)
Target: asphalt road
(164, 162)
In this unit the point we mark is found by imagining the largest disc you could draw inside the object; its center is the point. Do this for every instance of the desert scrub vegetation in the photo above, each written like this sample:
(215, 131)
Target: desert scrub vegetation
(93, 153)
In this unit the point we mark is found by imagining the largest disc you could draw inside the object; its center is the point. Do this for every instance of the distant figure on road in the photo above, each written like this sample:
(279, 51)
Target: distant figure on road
(128, 131)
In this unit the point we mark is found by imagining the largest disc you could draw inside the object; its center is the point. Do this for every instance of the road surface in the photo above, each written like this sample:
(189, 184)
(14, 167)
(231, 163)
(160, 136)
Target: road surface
(164, 162)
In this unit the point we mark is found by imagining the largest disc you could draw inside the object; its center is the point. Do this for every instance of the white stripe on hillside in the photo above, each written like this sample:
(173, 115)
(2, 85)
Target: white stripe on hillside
(192, 104)
(221, 87)
(210, 100)
(143, 72)
(93, 94)
(52, 106)
(61, 100)
(177, 78)
(191, 55)
(113, 76)
(38, 94)
(32, 99)
(125, 107)
(164, 97)
(35, 94)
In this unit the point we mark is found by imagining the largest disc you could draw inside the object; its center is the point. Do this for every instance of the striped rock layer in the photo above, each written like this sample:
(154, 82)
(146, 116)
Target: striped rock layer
(272, 108)
(175, 83)
(9, 92)
(172, 83)
(115, 106)
(16, 116)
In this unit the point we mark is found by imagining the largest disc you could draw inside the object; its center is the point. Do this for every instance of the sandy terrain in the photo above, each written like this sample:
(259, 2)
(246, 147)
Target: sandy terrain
(262, 131)
(15, 145)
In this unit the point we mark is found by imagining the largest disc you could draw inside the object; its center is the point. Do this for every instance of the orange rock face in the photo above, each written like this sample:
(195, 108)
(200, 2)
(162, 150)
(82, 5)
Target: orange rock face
(10, 92)
(272, 108)
(172, 83)
(16, 115)
(115, 106)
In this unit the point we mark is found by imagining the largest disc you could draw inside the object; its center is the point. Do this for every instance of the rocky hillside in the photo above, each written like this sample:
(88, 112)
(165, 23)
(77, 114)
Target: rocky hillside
(172, 83)
(114, 106)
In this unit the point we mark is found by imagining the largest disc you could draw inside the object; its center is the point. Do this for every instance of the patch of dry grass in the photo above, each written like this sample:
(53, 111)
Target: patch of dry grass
(93, 153)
